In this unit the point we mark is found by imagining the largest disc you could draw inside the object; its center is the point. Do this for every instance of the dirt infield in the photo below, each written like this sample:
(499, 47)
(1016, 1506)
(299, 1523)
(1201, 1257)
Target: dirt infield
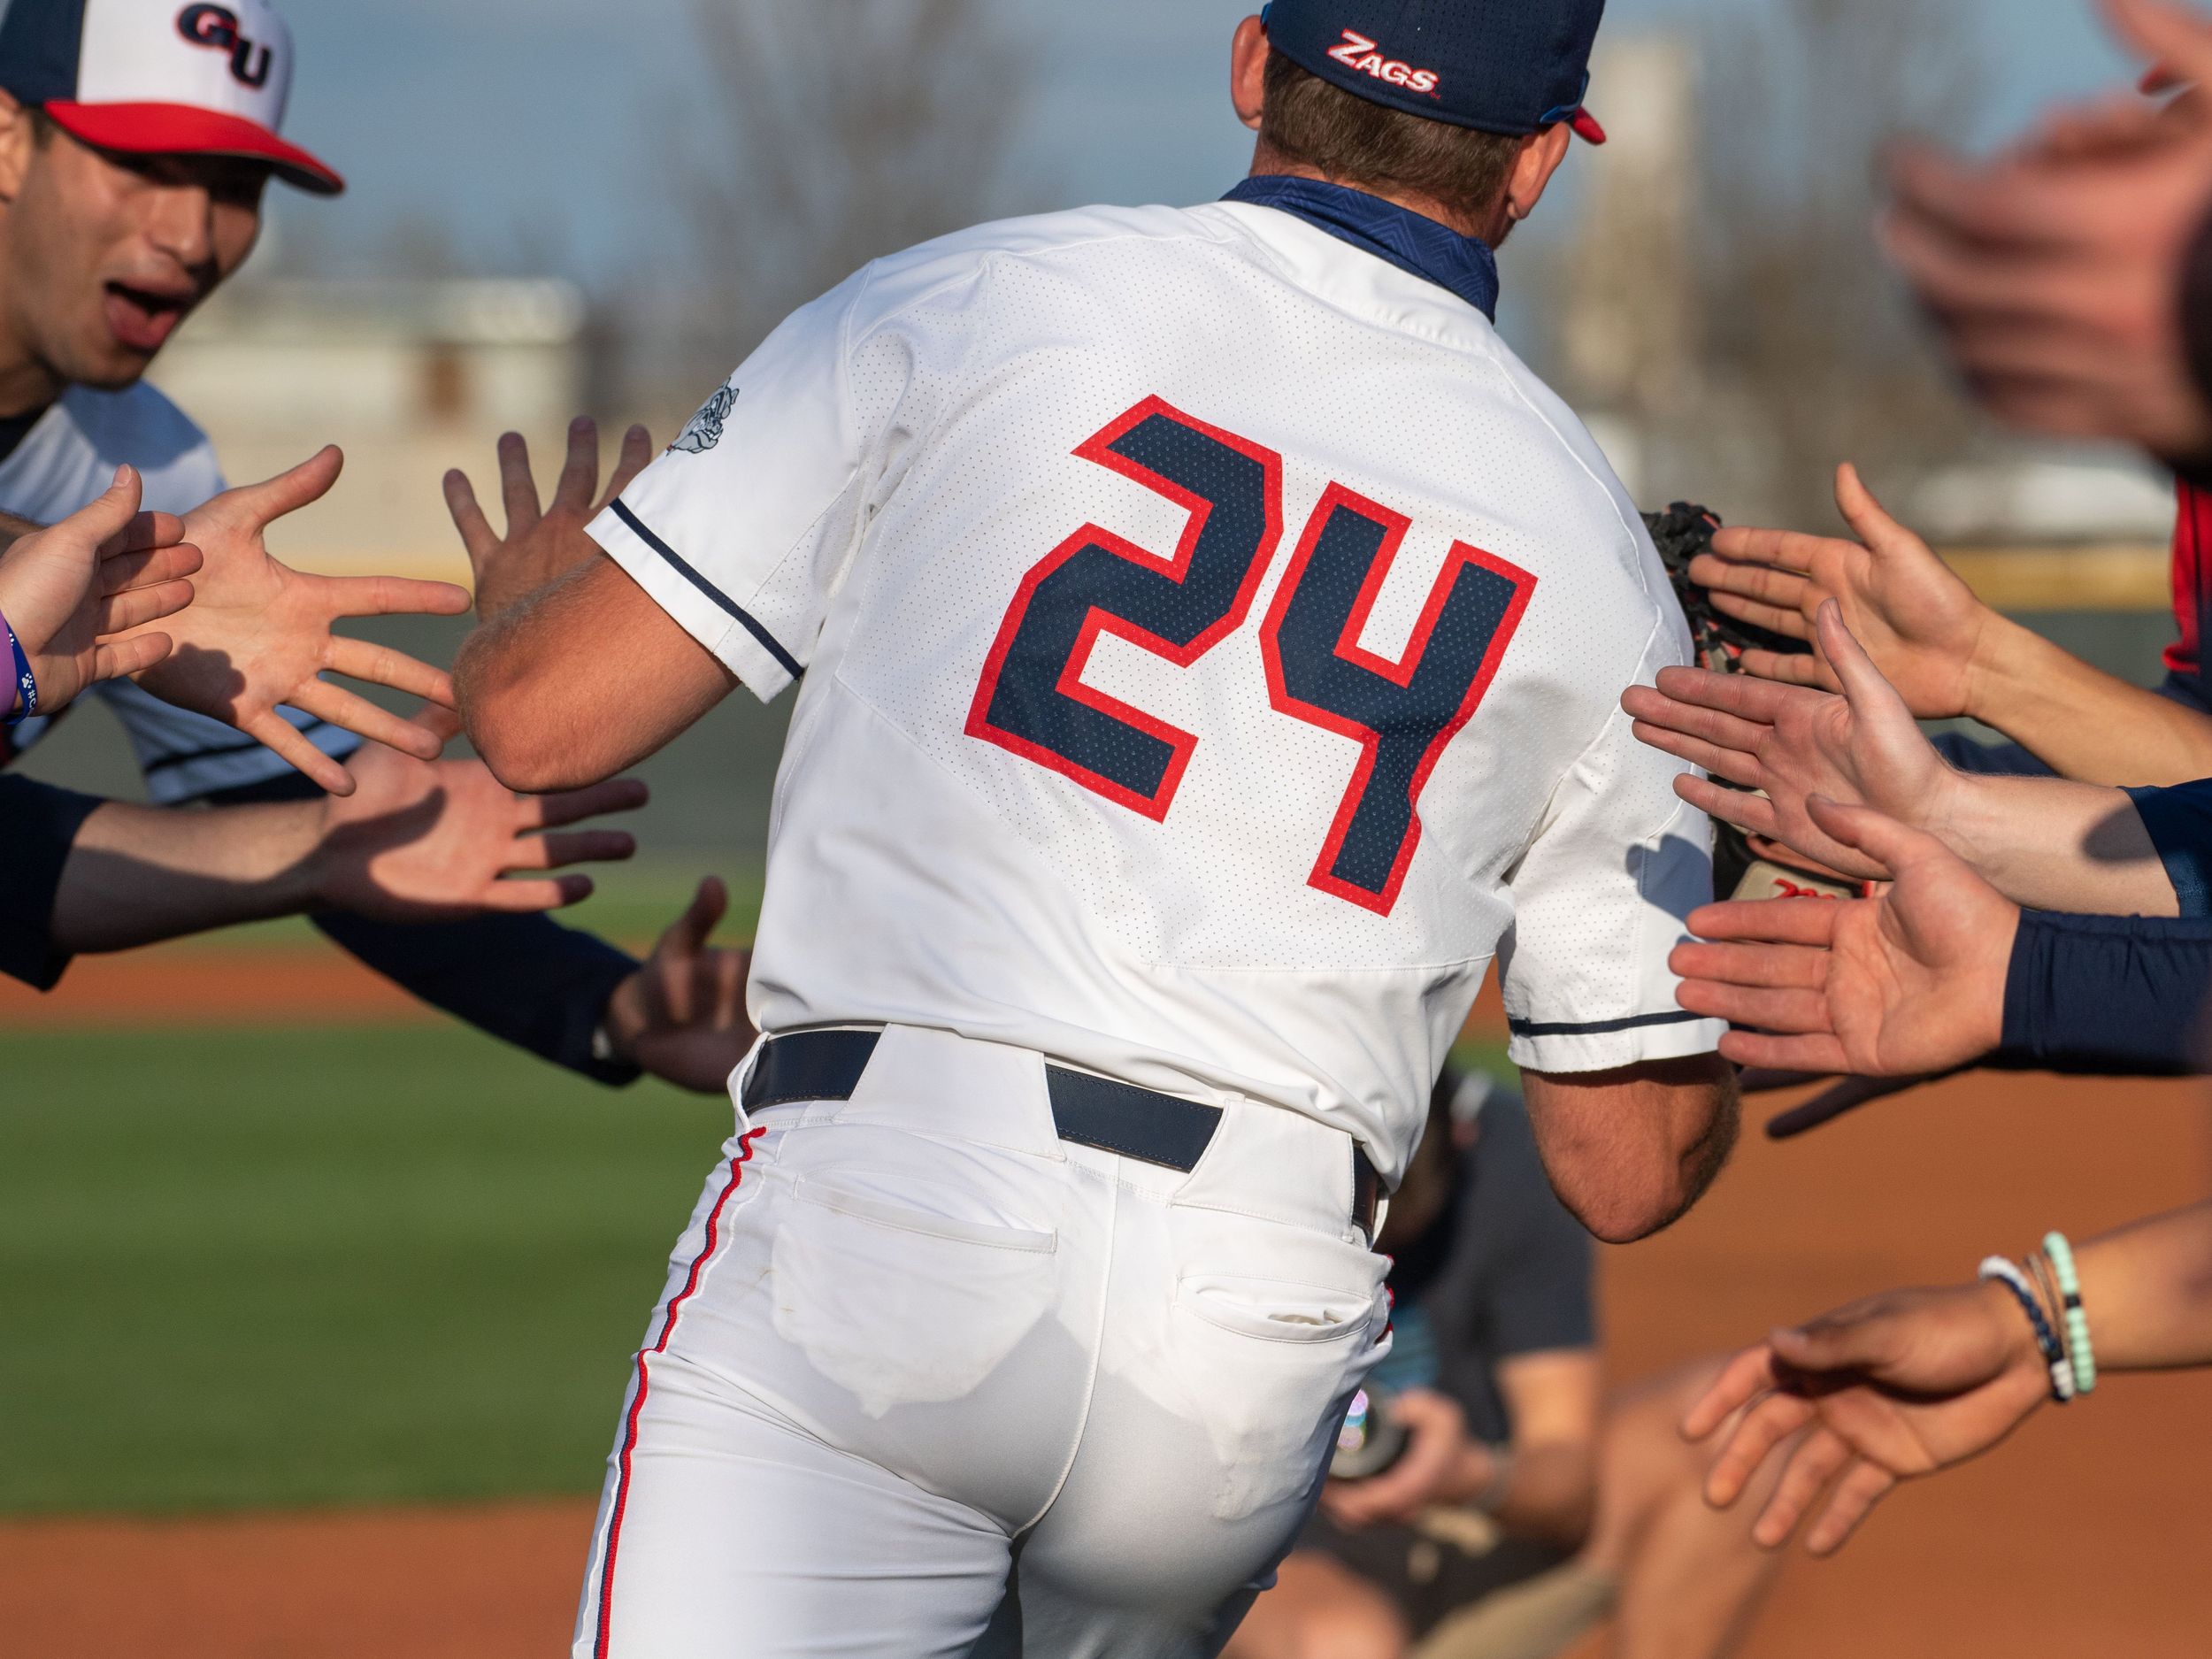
(2085, 1536)
(195, 985)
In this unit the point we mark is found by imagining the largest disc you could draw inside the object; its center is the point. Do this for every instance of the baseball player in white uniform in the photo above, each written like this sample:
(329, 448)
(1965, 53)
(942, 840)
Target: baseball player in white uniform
(1211, 639)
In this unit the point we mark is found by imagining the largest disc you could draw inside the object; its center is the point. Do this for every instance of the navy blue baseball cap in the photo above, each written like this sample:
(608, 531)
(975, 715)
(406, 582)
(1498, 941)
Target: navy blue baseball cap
(1502, 66)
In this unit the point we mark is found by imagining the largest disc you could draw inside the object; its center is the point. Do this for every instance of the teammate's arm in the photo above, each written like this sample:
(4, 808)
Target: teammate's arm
(581, 679)
(1949, 655)
(1629, 1151)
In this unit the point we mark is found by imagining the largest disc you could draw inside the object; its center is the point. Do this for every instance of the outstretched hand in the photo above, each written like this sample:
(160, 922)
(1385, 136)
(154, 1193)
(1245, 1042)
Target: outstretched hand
(542, 543)
(1886, 1390)
(432, 841)
(259, 632)
(681, 1016)
(1907, 983)
(99, 572)
(1919, 622)
(1791, 743)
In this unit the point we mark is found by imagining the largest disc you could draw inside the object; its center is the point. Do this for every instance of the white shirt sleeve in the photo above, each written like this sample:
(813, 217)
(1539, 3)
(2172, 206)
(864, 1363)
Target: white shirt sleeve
(743, 532)
(1600, 900)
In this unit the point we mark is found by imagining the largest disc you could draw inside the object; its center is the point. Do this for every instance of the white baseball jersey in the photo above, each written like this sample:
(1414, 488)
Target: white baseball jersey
(1213, 638)
(64, 464)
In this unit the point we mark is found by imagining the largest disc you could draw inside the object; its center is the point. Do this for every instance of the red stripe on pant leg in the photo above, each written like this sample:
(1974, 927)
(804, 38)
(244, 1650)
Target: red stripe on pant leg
(637, 1401)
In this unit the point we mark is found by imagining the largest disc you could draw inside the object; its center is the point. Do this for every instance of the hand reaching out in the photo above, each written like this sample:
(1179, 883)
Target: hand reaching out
(681, 1016)
(1905, 984)
(1884, 1390)
(1792, 743)
(419, 840)
(541, 544)
(259, 632)
(97, 574)
(1918, 621)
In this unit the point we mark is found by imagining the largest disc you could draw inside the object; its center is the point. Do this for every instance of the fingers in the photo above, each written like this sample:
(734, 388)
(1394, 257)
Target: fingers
(1886, 843)
(1863, 682)
(1769, 921)
(1869, 520)
(1785, 590)
(148, 567)
(1771, 1419)
(1733, 764)
(1748, 700)
(477, 535)
(440, 721)
(1863, 1486)
(1743, 1380)
(1789, 668)
(522, 898)
(517, 488)
(110, 515)
(1789, 624)
(1747, 811)
(1816, 1052)
(580, 472)
(287, 492)
(339, 706)
(141, 605)
(572, 806)
(392, 595)
(1818, 1459)
(1790, 1013)
(564, 847)
(146, 530)
(115, 659)
(688, 934)
(1776, 967)
(1783, 550)
(637, 455)
(272, 731)
(380, 666)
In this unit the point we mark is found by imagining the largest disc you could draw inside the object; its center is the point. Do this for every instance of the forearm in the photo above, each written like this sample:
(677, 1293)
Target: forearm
(2050, 844)
(2082, 722)
(137, 875)
(2147, 1291)
(1630, 1151)
(1551, 1493)
(14, 529)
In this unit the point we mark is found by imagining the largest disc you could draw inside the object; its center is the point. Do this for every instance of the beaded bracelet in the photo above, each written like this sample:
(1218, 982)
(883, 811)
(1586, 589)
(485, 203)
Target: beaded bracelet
(26, 682)
(2009, 1274)
(2081, 1355)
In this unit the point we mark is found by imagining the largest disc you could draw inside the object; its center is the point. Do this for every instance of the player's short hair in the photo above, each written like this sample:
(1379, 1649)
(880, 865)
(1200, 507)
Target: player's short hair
(1308, 120)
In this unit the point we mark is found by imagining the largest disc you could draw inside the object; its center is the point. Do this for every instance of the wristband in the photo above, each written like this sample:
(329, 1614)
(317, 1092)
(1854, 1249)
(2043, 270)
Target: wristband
(2047, 1343)
(2079, 1353)
(26, 682)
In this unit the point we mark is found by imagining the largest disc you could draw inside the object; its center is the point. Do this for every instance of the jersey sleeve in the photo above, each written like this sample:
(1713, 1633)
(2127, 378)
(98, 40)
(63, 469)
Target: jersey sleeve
(1601, 899)
(743, 530)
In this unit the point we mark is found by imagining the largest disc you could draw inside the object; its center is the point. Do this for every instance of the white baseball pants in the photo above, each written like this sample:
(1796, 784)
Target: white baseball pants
(930, 1383)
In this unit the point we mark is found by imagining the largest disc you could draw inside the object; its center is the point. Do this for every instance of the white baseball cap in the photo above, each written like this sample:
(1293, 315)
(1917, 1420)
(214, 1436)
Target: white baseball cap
(161, 77)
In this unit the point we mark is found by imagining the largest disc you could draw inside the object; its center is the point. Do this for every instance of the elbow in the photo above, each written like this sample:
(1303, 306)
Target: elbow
(1621, 1207)
(509, 724)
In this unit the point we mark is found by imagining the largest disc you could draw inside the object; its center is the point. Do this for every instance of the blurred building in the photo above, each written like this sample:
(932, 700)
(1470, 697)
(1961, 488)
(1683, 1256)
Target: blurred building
(409, 377)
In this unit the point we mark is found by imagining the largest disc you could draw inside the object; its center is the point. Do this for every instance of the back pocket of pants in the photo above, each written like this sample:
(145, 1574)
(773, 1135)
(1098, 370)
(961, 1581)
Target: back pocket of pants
(1273, 1311)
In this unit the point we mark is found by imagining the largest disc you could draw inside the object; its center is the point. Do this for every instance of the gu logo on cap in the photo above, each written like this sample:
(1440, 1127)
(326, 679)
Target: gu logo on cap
(161, 77)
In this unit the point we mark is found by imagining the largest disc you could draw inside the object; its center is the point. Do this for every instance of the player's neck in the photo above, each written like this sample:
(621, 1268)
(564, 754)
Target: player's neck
(1268, 160)
(27, 381)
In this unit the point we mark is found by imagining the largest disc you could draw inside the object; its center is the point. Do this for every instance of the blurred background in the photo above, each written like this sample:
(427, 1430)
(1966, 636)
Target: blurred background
(350, 1291)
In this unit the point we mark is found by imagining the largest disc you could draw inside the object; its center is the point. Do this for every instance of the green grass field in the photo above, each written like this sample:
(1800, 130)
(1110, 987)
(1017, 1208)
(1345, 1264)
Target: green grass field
(245, 1269)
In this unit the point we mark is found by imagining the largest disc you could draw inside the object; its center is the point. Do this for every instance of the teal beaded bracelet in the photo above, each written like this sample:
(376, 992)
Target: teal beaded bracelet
(2078, 1351)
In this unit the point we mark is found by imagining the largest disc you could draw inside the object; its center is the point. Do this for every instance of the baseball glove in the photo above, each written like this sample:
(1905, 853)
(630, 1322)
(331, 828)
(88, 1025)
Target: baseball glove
(1745, 866)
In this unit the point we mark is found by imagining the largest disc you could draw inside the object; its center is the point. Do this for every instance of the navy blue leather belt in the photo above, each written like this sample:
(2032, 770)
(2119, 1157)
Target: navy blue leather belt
(1092, 1112)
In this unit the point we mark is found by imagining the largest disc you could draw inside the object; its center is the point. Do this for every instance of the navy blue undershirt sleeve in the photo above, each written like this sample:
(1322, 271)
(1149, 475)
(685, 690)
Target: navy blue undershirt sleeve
(2180, 825)
(2108, 996)
(1988, 760)
(525, 979)
(38, 825)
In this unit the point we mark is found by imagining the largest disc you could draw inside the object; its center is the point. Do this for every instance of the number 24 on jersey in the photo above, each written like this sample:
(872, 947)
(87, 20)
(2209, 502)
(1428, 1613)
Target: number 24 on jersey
(1033, 700)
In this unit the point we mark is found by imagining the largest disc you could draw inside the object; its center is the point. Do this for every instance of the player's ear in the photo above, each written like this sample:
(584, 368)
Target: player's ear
(1248, 71)
(19, 137)
(1541, 153)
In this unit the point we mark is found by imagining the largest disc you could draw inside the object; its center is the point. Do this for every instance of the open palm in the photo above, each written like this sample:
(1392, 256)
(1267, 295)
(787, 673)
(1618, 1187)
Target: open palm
(1907, 983)
(1886, 1390)
(65, 591)
(1918, 621)
(1791, 743)
(259, 634)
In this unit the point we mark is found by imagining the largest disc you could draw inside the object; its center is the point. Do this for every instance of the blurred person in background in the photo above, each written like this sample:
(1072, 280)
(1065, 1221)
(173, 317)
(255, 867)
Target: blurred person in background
(1522, 1509)
(136, 143)
(1902, 1385)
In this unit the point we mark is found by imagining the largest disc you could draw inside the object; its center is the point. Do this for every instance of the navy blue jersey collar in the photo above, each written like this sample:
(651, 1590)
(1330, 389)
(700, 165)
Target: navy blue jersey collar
(1410, 241)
